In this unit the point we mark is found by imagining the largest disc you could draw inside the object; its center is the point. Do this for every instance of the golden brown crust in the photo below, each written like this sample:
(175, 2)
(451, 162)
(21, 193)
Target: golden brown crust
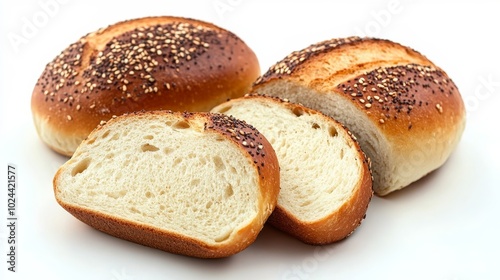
(409, 97)
(149, 63)
(264, 161)
(297, 64)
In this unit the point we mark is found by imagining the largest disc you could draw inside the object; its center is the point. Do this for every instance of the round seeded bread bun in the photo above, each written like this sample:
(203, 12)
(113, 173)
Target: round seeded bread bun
(406, 112)
(150, 63)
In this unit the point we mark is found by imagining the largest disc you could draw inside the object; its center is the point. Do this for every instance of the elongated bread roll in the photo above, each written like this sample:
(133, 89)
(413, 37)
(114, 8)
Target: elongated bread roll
(407, 113)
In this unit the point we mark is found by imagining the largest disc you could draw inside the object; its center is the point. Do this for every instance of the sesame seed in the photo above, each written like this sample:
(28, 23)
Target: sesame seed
(289, 63)
(439, 108)
(68, 117)
(398, 88)
(124, 58)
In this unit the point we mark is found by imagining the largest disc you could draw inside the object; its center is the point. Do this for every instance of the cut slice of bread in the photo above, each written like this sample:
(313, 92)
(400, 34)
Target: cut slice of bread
(326, 183)
(196, 184)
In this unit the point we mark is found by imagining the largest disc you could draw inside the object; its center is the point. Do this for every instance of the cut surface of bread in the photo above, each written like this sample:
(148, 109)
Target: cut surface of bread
(325, 178)
(176, 182)
(407, 113)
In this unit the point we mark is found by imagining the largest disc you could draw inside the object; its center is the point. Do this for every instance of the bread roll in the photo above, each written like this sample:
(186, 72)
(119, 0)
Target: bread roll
(326, 183)
(142, 64)
(407, 114)
(196, 184)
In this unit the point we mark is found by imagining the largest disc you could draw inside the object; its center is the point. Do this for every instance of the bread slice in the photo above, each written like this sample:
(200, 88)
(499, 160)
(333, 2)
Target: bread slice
(407, 113)
(326, 183)
(196, 184)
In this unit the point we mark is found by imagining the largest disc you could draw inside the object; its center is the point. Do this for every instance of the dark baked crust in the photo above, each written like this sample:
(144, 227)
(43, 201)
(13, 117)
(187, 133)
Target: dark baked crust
(150, 63)
(406, 99)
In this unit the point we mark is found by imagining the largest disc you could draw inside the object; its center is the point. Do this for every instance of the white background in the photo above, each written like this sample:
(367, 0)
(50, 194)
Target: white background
(444, 227)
